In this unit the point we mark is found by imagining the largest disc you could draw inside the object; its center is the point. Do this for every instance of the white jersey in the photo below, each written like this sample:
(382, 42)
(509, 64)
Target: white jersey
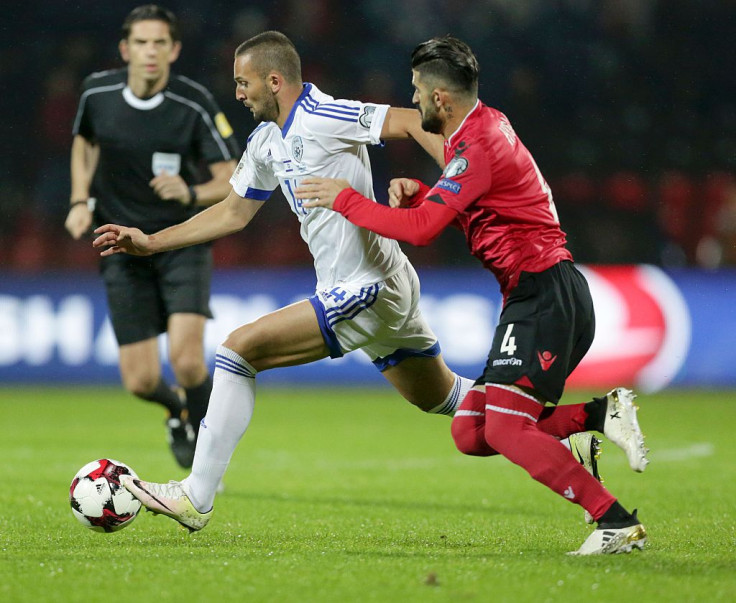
(323, 137)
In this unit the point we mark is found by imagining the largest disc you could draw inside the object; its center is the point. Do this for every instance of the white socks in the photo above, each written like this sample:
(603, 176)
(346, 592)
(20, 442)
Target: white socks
(458, 391)
(228, 415)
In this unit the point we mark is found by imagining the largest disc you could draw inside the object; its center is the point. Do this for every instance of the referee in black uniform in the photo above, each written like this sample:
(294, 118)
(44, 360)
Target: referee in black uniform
(143, 140)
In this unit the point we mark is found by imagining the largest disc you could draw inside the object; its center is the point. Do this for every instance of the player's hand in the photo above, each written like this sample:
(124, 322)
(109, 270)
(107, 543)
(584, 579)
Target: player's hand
(400, 191)
(171, 188)
(78, 220)
(320, 192)
(120, 239)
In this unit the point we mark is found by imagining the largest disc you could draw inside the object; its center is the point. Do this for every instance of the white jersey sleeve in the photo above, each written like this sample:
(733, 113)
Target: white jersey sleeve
(254, 177)
(324, 137)
(351, 122)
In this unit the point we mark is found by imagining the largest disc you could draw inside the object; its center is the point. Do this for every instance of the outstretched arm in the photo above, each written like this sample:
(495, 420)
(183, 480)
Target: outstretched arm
(407, 123)
(224, 218)
(419, 225)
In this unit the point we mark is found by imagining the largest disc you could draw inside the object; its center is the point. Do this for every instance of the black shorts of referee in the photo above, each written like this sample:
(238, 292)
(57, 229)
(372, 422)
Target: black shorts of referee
(143, 292)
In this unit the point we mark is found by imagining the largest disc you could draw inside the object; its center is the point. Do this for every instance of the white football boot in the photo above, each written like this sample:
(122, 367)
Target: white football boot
(622, 428)
(167, 499)
(609, 539)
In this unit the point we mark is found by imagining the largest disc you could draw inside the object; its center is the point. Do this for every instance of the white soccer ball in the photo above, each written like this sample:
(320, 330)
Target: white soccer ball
(97, 498)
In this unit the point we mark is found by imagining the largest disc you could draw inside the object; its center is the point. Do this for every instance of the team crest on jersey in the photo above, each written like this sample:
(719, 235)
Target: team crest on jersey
(297, 148)
(457, 166)
(366, 117)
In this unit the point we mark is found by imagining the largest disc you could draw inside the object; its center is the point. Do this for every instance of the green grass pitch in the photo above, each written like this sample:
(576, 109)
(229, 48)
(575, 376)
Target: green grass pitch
(352, 495)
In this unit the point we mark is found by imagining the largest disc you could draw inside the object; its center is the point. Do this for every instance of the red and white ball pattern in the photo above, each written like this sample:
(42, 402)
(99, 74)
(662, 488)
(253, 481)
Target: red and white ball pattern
(97, 498)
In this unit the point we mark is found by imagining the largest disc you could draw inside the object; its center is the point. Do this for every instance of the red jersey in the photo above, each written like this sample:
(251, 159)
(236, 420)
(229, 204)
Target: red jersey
(504, 205)
(496, 194)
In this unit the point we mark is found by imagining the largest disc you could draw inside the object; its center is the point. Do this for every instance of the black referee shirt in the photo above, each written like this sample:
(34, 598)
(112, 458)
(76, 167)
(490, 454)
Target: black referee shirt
(177, 130)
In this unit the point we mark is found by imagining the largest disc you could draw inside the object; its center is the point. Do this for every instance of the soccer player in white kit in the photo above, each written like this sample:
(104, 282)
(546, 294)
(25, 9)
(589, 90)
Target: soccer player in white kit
(367, 291)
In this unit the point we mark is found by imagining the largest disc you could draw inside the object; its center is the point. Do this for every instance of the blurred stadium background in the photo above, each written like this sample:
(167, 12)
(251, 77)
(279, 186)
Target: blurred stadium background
(629, 107)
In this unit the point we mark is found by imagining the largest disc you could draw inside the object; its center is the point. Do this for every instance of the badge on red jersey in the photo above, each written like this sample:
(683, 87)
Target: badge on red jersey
(458, 165)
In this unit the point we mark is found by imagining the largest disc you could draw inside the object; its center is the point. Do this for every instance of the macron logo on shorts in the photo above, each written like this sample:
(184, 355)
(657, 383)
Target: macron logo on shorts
(546, 359)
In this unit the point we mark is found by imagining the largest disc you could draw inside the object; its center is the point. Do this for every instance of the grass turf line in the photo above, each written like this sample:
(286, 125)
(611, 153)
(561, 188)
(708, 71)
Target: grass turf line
(353, 495)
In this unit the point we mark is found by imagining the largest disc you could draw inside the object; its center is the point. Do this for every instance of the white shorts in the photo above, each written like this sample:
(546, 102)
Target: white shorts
(382, 319)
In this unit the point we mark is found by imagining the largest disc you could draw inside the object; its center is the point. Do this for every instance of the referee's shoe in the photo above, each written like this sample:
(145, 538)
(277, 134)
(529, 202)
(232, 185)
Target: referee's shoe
(182, 440)
(180, 433)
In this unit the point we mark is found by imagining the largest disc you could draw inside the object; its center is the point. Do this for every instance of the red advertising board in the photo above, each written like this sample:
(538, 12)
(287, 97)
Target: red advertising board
(642, 329)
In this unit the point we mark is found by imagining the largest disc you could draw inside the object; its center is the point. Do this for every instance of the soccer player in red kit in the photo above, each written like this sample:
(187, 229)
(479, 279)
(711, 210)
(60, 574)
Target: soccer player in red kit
(492, 189)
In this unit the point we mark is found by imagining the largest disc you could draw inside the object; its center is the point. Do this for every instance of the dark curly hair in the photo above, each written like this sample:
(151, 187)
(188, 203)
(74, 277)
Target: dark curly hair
(448, 60)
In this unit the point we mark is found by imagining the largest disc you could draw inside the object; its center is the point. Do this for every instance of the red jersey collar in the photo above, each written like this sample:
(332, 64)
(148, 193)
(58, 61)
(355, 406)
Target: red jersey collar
(462, 123)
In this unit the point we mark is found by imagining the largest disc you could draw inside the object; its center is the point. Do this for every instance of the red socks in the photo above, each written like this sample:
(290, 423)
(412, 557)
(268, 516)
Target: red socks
(513, 426)
(563, 421)
(468, 425)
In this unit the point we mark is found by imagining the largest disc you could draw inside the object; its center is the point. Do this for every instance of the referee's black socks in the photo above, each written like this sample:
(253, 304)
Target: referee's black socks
(167, 397)
(197, 400)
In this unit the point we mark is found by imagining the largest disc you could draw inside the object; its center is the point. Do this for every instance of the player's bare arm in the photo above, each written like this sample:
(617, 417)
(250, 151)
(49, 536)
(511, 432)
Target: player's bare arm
(172, 187)
(219, 220)
(84, 159)
(405, 123)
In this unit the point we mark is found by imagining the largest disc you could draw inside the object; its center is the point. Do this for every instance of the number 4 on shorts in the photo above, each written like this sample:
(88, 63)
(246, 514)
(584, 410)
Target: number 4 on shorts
(508, 344)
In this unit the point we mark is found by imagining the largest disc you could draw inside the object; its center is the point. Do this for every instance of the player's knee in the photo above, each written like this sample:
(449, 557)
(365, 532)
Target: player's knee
(468, 436)
(141, 384)
(189, 368)
(190, 372)
(246, 342)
